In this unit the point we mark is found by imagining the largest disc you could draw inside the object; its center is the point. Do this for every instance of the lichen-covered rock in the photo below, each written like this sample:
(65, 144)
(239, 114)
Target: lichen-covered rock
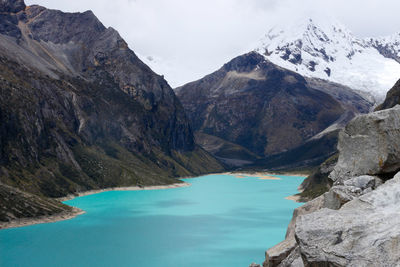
(369, 144)
(364, 232)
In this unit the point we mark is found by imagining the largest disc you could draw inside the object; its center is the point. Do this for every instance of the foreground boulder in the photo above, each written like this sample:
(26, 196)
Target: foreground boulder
(364, 232)
(369, 145)
(284, 250)
(355, 223)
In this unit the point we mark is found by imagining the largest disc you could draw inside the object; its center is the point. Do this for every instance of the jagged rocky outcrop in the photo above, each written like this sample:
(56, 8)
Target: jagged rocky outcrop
(80, 111)
(269, 110)
(377, 134)
(364, 232)
(355, 222)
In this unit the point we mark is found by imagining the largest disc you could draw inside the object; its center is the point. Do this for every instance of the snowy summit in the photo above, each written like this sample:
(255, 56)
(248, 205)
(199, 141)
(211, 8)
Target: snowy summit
(328, 50)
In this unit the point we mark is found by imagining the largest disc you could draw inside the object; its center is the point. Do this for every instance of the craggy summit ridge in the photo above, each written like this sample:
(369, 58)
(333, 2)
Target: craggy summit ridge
(324, 48)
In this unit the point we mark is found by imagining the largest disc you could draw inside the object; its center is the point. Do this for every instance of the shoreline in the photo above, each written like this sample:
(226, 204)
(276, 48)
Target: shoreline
(63, 216)
(251, 173)
(67, 215)
(122, 188)
(259, 175)
(296, 197)
(266, 173)
(267, 176)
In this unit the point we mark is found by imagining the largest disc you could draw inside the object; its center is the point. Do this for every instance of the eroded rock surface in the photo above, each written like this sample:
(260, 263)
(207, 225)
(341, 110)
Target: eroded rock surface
(364, 232)
(369, 145)
(356, 222)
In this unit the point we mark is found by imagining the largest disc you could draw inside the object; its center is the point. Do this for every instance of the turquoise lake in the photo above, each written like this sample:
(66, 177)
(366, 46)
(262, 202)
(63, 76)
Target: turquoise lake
(220, 220)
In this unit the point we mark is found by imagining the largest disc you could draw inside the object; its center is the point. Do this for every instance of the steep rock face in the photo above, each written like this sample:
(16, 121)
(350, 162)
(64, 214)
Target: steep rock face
(276, 255)
(79, 110)
(364, 232)
(369, 145)
(354, 224)
(264, 108)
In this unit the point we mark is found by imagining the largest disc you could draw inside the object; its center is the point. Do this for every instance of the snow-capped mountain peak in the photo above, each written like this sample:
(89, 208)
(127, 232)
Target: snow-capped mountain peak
(326, 49)
(389, 46)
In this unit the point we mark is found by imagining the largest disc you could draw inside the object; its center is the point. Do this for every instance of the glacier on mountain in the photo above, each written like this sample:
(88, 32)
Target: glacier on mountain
(326, 49)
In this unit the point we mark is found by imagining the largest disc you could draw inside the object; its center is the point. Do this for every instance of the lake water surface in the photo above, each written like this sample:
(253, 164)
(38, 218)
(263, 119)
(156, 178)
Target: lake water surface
(220, 221)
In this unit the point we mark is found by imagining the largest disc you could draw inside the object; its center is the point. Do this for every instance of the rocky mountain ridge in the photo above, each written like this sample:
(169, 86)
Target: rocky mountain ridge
(268, 110)
(80, 111)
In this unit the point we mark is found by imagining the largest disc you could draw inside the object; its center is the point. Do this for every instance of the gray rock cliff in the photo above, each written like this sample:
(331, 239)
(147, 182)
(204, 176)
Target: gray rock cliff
(369, 144)
(364, 232)
(356, 222)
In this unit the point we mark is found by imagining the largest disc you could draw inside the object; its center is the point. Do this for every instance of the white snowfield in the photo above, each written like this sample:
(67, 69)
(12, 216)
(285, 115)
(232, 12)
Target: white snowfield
(328, 50)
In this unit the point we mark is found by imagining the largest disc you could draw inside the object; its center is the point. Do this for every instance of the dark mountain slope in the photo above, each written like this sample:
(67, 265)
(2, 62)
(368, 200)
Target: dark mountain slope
(16, 204)
(79, 110)
(267, 109)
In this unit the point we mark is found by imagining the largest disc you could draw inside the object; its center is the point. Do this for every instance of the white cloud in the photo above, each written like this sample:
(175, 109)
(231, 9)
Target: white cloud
(193, 38)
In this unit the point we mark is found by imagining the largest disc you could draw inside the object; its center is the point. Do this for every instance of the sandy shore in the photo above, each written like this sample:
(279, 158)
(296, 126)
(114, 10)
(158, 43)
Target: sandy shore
(127, 188)
(258, 174)
(44, 219)
(76, 211)
(267, 176)
(261, 176)
(294, 198)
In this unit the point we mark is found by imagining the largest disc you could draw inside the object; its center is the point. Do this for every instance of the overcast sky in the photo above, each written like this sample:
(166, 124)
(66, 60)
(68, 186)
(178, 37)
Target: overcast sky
(190, 39)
